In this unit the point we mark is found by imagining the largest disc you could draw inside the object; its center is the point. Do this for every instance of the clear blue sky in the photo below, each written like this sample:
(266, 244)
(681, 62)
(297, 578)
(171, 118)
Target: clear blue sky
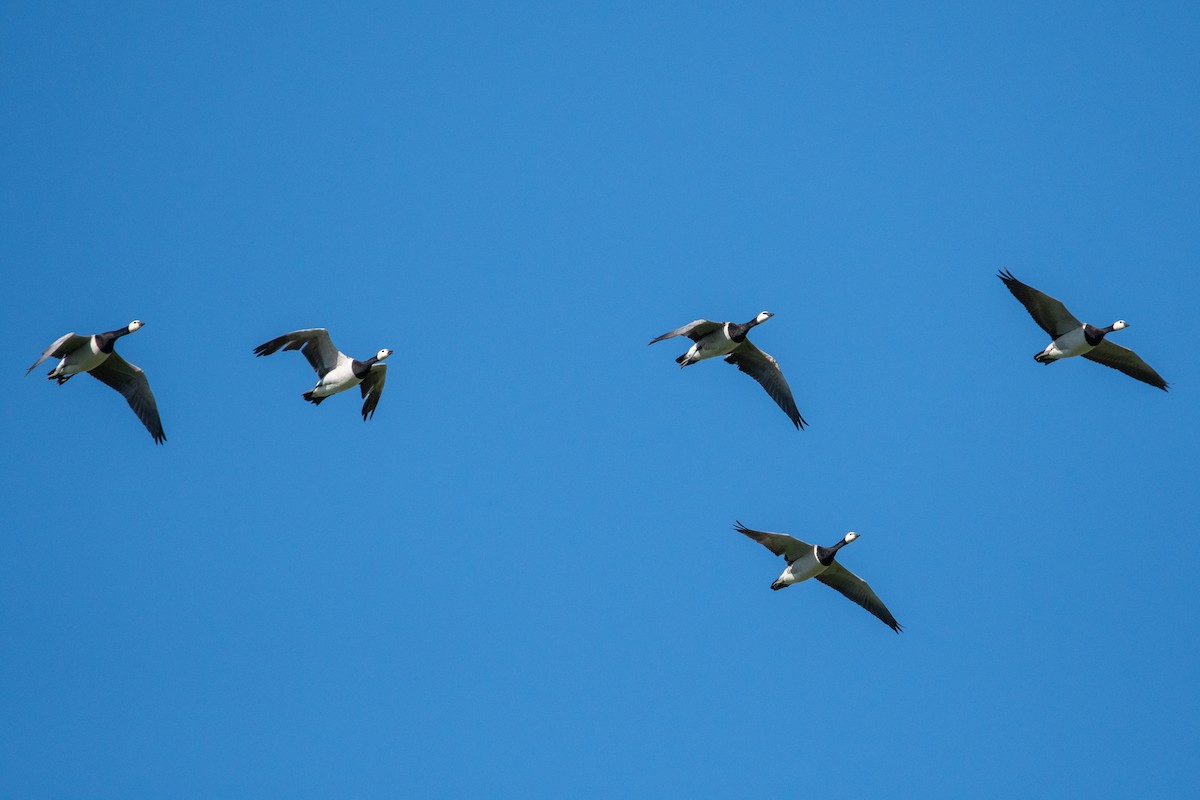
(520, 579)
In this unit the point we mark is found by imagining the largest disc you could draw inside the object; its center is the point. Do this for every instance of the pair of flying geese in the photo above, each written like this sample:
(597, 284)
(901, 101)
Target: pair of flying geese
(95, 355)
(1070, 338)
(337, 372)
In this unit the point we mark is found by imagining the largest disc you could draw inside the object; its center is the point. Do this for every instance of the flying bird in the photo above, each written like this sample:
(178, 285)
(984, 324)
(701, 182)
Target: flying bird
(336, 371)
(813, 561)
(95, 355)
(712, 339)
(1074, 338)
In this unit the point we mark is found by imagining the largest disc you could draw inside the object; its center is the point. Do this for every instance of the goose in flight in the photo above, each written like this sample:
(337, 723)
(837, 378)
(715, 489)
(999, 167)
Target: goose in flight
(728, 339)
(95, 355)
(336, 372)
(813, 561)
(1074, 338)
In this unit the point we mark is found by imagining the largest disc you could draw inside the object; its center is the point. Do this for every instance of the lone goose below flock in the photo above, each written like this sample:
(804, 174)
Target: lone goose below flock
(1074, 338)
(95, 355)
(712, 339)
(336, 371)
(813, 561)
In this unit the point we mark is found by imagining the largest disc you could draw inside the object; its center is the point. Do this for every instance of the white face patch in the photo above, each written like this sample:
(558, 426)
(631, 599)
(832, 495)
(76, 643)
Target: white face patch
(1119, 324)
(763, 316)
(382, 354)
(851, 536)
(133, 326)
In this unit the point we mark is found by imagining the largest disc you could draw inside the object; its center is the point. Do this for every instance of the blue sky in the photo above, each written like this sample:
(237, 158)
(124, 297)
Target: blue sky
(520, 578)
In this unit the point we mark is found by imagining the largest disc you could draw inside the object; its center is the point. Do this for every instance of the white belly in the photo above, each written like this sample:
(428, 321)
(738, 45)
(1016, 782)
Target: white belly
(1071, 343)
(803, 568)
(82, 359)
(715, 344)
(339, 379)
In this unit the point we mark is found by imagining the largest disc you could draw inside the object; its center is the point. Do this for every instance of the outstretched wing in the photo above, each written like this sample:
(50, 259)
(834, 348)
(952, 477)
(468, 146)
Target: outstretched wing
(765, 369)
(65, 344)
(780, 544)
(1047, 312)
(855, 588)
(372, 389)
(1125, 360)
(132, 384)
(314, 343)
(694, 330)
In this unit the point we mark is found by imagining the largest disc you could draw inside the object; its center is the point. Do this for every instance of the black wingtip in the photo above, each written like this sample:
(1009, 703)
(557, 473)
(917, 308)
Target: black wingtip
(740, 528)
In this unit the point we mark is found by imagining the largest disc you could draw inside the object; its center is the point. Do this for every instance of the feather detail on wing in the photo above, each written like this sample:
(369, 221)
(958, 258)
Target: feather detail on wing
(61, 347)
(131, 382)
(372, 389)
(780, 544)
(1125, 360)
(314, 343)
(855, 588)
(694, 330)
(1047, 312)
(765, 369)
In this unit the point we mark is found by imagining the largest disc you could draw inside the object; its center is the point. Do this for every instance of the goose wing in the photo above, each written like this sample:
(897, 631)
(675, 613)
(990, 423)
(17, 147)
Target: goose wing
(1047, 312)
(780, 544)
(63, 345)
(765, 369)
(372, 389)
(694, 330)
(132, 384)
(856, 589)
(314, 343)
(1125, 360)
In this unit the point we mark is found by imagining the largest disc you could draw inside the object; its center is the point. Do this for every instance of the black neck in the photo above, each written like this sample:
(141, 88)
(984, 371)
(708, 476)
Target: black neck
(1095, 335)
(825, 554)
(107, 339)
(361, 368)
(738, 331)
